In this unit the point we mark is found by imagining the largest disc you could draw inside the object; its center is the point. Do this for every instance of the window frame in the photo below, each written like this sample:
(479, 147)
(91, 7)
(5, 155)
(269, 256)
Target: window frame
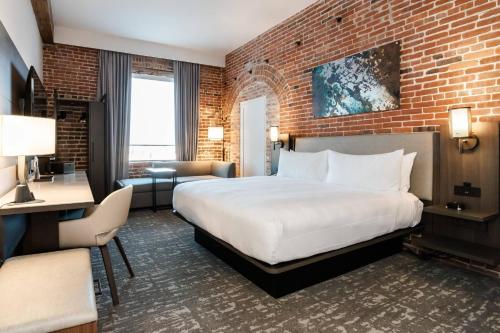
(165, 78)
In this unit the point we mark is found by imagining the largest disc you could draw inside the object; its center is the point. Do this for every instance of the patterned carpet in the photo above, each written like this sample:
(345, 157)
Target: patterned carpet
(181, 287)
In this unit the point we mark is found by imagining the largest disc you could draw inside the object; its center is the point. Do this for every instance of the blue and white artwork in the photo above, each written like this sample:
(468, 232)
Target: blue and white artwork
(364, 82)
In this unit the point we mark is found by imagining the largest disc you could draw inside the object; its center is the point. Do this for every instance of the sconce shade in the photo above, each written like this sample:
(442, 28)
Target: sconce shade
(460, 123)
(27, 136)
(216, 133)
(274, 133)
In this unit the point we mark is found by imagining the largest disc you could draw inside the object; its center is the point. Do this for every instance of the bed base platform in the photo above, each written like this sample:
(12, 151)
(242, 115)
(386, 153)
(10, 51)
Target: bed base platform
(285, 278)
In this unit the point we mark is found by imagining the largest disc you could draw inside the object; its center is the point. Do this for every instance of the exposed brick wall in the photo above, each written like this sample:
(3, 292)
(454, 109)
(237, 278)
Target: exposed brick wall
(450, 56)
(72, 136)
(73, 71)
(211, 87)
(152, 66)
(137, 169)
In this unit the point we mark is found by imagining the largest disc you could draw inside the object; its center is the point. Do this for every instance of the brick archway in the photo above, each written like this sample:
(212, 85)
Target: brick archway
(260, 73)
(263, 80)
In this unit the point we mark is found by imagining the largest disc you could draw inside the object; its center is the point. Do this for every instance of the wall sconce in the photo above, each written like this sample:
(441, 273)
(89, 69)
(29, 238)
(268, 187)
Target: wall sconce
(274, 136)
(216, 133)
(461, 129)
(83, 118)
(61, 115)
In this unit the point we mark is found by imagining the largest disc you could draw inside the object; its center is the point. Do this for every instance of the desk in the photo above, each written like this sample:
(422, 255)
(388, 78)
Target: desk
(70, 191)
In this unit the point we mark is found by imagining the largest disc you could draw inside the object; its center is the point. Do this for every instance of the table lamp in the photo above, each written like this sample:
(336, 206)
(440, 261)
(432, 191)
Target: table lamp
(26, 136)
(216, 133)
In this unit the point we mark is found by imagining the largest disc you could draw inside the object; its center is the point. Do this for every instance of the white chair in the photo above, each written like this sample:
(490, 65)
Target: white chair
(100, 225)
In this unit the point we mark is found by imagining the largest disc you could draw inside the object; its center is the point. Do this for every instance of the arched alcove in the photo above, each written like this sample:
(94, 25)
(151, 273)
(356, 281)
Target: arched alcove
(262, 80)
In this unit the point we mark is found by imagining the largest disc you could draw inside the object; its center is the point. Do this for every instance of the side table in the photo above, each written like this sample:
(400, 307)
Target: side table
(161, 173)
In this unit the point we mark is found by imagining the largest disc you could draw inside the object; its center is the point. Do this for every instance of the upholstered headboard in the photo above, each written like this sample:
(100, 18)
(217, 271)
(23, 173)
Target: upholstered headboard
(424, 177)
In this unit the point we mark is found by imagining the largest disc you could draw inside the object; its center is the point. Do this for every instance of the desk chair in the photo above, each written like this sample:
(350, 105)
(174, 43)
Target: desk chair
(99, 226)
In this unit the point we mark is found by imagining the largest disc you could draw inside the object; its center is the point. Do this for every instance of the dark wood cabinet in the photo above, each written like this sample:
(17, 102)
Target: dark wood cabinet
(97, 137)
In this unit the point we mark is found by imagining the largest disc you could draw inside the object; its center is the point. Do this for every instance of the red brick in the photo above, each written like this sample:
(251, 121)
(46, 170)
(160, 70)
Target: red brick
(73, 72)
(431, 31)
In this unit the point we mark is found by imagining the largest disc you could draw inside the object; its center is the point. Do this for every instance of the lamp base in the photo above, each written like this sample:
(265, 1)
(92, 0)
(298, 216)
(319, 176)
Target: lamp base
(223, 151)
(23, 194)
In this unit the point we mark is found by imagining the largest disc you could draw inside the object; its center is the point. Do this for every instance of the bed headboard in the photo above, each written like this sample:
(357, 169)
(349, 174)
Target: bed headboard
(424, 177)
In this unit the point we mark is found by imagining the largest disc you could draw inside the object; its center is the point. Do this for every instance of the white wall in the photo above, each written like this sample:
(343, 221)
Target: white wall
(19, 20)
(97, 40)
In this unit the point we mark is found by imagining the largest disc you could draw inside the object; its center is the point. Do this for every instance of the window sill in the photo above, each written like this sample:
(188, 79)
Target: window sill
(149, 161)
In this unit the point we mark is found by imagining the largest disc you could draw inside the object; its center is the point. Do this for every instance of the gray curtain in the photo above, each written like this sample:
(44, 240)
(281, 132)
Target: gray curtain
(115, 80)
(187, 103)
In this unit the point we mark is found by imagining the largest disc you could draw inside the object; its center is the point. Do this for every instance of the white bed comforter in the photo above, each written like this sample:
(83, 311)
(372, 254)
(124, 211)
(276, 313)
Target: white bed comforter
(277, 219)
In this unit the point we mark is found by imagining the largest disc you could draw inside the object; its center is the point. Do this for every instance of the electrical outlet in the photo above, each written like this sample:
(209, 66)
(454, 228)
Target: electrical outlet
(466, 190)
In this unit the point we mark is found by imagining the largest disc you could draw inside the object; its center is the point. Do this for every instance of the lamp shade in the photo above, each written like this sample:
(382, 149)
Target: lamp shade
(460, 123)
(274, 133)
(216, 133)
(27, 136)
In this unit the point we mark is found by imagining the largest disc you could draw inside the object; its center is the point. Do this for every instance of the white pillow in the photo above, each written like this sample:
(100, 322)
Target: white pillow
(406, 166)
(312, 166)
(380, 172)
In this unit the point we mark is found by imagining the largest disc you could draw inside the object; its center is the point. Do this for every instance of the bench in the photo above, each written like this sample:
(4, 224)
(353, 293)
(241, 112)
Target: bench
(48, 292)
(187, 171)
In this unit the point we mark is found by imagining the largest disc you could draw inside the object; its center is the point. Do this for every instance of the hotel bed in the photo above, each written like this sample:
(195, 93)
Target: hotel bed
(278, 219)
(285, 234)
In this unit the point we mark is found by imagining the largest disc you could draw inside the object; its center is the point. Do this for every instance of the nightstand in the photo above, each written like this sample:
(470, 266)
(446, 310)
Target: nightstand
(468, 214)
(437, 240)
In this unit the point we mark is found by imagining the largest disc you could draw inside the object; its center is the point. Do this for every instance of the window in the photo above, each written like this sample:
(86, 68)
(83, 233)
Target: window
(152, 127)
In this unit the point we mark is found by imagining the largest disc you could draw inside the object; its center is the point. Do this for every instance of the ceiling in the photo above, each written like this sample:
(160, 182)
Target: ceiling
(205, 29)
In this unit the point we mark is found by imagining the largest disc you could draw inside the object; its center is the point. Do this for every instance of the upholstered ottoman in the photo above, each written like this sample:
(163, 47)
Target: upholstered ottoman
(48, 292)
